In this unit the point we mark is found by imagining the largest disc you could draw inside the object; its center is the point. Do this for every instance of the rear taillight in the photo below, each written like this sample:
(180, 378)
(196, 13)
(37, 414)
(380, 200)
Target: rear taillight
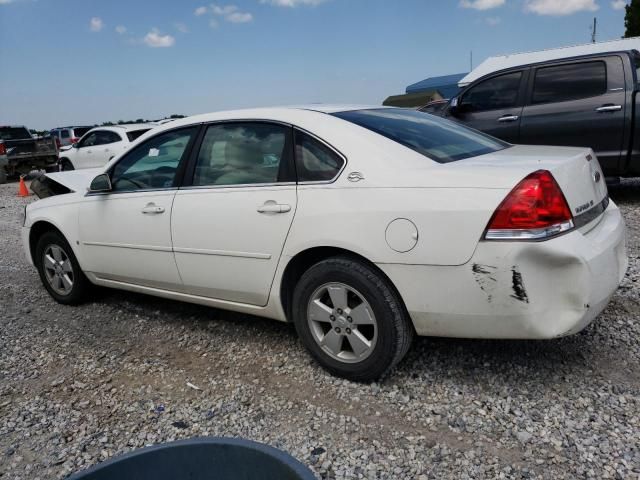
(3, 149)
(74, 140)
(58, 144)
(534, 210)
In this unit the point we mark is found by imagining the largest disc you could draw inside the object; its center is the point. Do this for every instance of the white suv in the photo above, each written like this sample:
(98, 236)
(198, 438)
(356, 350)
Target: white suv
(100, 145)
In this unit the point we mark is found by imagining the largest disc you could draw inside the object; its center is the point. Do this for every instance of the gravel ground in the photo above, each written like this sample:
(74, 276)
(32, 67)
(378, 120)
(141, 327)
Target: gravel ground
(80, 385)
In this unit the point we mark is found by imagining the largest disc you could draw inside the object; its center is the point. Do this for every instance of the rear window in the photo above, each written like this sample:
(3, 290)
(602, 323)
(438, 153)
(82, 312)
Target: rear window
(14, 133)
(436, 138)
(135, 134)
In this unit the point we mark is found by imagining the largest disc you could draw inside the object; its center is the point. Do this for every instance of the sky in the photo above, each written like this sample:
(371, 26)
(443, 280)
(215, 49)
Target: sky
(77, 62)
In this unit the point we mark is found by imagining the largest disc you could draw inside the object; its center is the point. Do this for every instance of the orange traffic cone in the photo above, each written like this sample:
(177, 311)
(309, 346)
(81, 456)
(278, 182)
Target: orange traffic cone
(22, 190)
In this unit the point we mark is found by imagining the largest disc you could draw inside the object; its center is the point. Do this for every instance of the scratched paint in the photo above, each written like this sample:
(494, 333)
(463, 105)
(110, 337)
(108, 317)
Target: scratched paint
(485, 277)
(519, 291)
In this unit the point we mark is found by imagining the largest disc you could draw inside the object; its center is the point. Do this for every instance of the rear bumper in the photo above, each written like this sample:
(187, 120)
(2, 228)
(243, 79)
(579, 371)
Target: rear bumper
(516, 290)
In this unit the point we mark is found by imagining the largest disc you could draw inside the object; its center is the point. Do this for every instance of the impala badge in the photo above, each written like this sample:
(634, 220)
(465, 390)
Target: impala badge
(355, 177)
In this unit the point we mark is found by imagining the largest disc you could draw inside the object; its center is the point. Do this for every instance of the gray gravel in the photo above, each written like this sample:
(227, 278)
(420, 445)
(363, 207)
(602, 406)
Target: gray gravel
(80, 385)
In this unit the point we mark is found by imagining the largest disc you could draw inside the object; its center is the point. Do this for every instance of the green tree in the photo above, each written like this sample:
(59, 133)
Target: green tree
(632, 19)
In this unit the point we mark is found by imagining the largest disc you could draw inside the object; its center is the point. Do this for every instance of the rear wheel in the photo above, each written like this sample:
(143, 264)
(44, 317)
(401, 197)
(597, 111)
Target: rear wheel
(59, 269)
(350, 319)
(65, 165)
(3, 175)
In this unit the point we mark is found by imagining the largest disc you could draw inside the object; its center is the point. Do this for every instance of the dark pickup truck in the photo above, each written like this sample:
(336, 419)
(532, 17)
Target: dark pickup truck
(587, 101)
(20, 153)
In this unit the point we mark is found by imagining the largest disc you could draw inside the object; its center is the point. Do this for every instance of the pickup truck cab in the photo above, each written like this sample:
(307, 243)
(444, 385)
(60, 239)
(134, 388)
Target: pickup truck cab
(20, 153)
(586, 101)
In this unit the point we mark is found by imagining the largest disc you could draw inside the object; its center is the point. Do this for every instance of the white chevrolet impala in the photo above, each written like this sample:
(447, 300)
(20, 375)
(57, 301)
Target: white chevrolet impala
(362, 226)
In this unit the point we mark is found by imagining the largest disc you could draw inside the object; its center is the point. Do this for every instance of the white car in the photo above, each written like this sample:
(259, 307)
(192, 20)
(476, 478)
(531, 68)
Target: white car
(99, 145)
(362, 226)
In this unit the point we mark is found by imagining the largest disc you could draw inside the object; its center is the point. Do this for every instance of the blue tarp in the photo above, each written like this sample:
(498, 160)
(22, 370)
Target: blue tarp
(446, 85)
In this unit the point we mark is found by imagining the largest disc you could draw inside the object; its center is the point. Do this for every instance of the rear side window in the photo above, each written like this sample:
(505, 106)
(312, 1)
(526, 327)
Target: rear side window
(569, 82)
(65, 133)
(493, 94)
(315, 162)
(106, 137)
(436, 138)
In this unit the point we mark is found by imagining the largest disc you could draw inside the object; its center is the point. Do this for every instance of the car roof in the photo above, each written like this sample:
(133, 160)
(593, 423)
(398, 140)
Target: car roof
(334, 107)
(128, 127)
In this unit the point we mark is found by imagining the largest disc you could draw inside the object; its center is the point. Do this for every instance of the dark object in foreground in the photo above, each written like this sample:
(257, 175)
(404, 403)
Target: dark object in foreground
(200, 459)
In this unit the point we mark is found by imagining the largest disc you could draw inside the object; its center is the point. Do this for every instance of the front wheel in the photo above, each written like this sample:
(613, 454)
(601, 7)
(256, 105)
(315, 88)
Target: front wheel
(350, 319)
(66, 165)
(59, 269)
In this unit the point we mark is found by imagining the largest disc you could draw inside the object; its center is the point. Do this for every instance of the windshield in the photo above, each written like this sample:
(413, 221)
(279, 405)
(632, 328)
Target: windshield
(438, 139)
(14, 133)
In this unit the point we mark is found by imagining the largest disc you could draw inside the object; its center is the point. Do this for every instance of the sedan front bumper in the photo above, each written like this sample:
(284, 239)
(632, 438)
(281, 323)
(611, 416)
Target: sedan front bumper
(519, 290)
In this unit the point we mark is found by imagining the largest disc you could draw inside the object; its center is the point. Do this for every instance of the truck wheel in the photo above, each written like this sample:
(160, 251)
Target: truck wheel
(52, 169)
(350, 319)
(59, 269)
(3, 175)
(65, 165)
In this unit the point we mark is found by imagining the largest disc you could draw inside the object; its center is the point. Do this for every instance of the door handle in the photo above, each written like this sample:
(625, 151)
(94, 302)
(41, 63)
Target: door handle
(273, 207)
(609, 108)
(152, 209)
(509, 118)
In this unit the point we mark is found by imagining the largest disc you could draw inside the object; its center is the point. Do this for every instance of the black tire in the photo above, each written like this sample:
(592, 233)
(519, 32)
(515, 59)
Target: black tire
(80, 284)
(66, 165)
(394, 329)
(3, 175)
(52, 169)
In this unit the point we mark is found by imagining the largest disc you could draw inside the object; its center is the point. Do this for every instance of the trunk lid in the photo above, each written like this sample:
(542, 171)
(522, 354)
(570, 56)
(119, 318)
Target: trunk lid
(576, 170)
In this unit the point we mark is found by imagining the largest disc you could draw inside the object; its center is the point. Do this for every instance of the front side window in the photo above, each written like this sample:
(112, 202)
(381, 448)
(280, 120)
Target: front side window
(493, 94)
(154, 163)
(242, 154)
(315, 162)
(90, 140)
(440, 140)
(569, 82)
(135, 134)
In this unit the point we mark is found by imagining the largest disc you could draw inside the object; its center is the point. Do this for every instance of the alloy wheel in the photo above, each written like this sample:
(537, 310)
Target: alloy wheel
(58, 269)
(342, 322)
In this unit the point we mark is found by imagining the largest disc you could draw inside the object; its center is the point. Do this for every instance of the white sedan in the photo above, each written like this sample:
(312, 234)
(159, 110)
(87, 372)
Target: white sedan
(362, 226)
(100, 145)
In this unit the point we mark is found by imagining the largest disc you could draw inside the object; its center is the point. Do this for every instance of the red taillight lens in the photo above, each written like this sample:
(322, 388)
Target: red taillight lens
(534, 209)
(74, 140)
(3, 149)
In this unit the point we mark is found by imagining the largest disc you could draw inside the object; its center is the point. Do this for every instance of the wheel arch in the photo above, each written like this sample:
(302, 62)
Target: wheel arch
(305, 259)
(38, 229)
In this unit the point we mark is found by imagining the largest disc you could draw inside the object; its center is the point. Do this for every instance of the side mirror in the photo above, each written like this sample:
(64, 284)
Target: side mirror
(102, 183)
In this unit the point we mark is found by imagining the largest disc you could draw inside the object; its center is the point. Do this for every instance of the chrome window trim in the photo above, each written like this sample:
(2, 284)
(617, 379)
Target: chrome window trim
(243, 185)
(119, 192)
